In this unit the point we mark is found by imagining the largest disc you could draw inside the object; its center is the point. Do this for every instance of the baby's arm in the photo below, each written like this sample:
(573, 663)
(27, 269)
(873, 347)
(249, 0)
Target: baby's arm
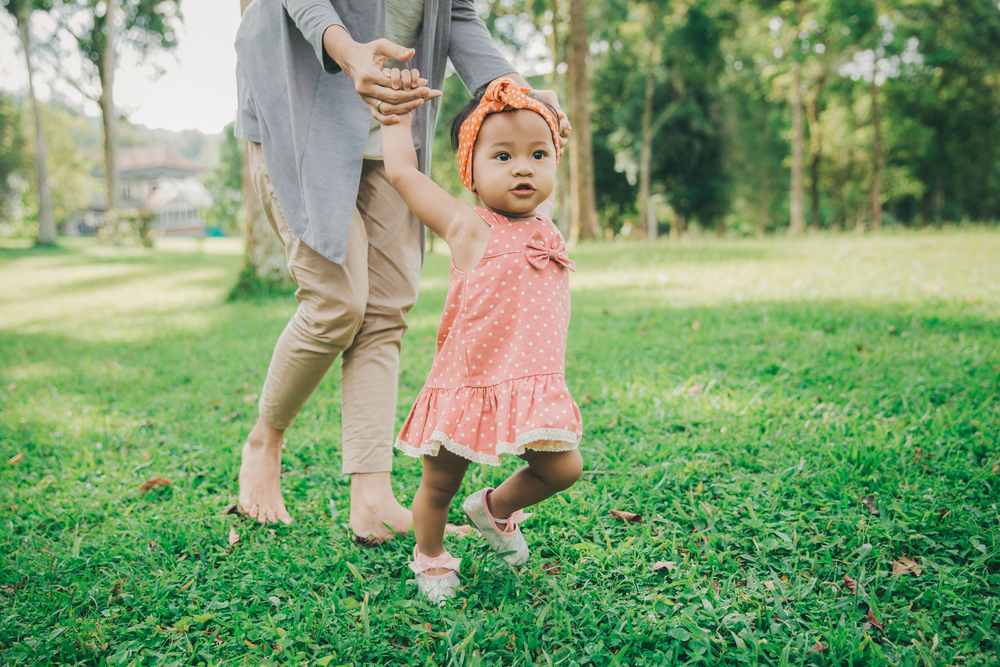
(452, 219)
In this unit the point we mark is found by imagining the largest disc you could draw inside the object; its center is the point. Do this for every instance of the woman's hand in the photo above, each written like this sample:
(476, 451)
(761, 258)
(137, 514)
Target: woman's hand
(550, 97)
(363, 63)
(405, 80)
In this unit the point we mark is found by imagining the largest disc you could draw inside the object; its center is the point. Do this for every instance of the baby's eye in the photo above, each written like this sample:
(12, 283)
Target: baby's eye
(503, 157)
(539, 155)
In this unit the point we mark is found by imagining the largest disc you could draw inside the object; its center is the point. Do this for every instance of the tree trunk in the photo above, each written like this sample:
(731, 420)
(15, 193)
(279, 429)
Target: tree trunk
(264, 265)
(106, 69)
(816, 153)
(562, 217)
(646, 157)
(798, 223)
(876, 162)
(678, 230)
(763, 221)
(46, 221)
(646, 215)
(583, 203)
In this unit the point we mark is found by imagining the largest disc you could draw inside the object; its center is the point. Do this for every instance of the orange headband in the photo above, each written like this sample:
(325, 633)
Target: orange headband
(501, 95)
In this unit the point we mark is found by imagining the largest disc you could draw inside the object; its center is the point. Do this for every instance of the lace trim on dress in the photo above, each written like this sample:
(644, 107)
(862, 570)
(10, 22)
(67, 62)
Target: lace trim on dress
(569, 439)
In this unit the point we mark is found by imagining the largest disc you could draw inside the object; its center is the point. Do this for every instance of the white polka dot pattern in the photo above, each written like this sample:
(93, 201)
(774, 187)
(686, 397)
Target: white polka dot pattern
(497, 382)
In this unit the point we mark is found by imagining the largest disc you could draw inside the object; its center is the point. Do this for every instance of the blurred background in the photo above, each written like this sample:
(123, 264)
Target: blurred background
(690, 118)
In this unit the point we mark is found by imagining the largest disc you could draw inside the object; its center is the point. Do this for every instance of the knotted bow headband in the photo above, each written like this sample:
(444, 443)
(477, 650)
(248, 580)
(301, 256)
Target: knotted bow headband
(501, 95)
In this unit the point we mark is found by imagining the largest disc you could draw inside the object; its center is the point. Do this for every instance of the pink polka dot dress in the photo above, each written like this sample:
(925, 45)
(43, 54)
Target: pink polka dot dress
(497, 385)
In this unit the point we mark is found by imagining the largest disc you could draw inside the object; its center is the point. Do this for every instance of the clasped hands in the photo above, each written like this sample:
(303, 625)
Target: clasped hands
(392, 92)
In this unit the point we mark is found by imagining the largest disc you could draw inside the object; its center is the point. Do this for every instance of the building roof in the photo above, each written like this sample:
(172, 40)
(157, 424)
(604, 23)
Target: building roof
(178, 191)
(140, 158)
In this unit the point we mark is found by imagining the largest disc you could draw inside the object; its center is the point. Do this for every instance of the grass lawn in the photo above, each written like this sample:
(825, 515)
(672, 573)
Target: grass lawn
(792, 419)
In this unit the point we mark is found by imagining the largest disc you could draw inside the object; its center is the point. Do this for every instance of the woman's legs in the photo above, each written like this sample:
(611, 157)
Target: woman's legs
(546, 474)
(370, 370)
(441, 479)
(357, 308)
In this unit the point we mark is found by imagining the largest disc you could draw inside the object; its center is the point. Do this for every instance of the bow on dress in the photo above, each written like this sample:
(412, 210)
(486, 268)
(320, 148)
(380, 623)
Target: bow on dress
(538, 252)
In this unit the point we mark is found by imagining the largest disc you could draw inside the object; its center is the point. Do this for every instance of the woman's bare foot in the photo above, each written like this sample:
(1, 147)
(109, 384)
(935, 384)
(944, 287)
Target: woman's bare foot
(376, 515)
(260, 475)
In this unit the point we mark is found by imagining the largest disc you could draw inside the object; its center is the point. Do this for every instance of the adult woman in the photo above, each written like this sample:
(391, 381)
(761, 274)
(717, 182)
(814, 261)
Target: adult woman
(311, 95)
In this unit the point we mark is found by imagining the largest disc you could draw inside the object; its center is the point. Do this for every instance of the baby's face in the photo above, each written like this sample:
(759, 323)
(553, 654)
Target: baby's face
(514, 162)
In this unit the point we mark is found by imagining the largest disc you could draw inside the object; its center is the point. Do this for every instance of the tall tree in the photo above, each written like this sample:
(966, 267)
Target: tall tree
(21, 10)
(144, 26)
(265, 269)
(583, 203)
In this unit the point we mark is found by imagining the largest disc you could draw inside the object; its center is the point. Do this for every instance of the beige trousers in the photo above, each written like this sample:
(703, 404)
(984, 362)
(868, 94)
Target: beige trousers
(358, 309)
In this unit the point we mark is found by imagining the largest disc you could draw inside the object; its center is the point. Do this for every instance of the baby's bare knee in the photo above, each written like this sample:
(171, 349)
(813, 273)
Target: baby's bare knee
(559, 470)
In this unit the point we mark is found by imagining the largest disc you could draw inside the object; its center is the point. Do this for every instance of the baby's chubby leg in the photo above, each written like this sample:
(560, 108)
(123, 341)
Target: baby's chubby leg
(546, 474)
(441, 479)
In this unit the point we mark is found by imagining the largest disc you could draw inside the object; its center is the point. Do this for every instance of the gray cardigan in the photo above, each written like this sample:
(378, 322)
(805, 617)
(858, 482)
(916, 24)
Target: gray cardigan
(309, 120)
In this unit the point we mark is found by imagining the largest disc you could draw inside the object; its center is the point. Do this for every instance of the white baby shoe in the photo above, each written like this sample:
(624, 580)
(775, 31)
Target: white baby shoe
(440, 586)
(510, 545)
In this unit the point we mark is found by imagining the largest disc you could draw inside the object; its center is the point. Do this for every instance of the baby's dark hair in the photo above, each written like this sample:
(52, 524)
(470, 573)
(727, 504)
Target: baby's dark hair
(477, 97)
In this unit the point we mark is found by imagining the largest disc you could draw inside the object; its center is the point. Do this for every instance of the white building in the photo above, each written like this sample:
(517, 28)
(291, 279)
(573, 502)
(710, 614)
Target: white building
(155, 179)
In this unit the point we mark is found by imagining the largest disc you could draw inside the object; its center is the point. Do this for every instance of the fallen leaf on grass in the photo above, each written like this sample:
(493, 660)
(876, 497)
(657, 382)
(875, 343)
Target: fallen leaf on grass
(19, 586)
(904, 565)
(917, 453)
(233, 536)
(552, 569)
(869, 502)
(12, 386)
(694, 389)
(873, 622)
(249, 644)
(627, 517)
(715, 587)
(153, 483)
(996, 468)
(851, 583)
(218, 641)
(457, 531)
(818, 647)
(232, 416)
(668, 565)
(250, 398)
(696, 325)
(14, 460)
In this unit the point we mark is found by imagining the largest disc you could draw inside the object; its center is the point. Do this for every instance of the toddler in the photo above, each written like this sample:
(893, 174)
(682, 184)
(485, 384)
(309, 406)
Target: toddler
(497, 385)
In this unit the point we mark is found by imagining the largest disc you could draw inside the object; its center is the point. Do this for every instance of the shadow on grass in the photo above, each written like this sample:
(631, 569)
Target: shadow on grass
(746, 443)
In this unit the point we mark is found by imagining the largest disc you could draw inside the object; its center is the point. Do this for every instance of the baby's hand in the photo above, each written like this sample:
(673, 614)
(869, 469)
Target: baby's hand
(407, 79)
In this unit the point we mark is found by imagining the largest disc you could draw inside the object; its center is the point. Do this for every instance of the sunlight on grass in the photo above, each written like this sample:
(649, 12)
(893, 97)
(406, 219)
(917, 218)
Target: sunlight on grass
(782, 413)
(905, 269)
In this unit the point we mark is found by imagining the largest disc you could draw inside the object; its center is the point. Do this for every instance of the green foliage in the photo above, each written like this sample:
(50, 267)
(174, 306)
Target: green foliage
(128, 227)
(821, 373)
(251, 285)
(11, 154)
(145, 25)
(70, 140)
(225, 184)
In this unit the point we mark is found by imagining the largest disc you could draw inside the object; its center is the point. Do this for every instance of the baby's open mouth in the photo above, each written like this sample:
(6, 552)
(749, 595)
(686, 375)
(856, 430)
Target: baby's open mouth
(523, 189)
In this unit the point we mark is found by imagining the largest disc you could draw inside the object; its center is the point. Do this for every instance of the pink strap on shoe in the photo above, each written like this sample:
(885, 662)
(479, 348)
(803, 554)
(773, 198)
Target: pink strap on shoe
(445, 561)
(516, 517)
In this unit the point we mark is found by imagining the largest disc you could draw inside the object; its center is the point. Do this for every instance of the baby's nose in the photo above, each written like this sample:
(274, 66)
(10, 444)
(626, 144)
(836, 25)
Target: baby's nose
(523, 168)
